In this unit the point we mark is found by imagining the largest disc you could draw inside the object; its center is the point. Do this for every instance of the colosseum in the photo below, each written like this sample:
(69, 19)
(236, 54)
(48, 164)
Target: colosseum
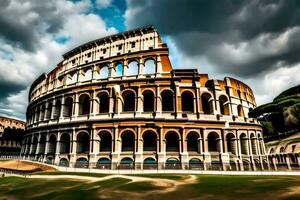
(117, 103)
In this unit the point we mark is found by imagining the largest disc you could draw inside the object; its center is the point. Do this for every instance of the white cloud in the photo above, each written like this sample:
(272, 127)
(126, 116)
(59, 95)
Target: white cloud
(76, 23)
(103, 3)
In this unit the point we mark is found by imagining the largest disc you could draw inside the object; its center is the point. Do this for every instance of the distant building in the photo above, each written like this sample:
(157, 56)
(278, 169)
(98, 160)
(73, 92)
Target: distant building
(11, 135)
(284, 154)
(117, 103)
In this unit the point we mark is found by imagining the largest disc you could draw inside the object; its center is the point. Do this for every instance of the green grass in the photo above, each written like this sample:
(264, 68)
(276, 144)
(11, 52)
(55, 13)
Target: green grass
(206, 187)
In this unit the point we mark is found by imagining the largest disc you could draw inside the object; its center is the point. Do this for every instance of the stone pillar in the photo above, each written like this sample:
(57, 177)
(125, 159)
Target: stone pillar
(46, 147)
(115, 155)
(139, 102)
(158, 102)
(159, 69)
(161, 155)
(93, 154)
(94, 104)
(76, 106)
(139, 150)
(73, 153)
(57, 150)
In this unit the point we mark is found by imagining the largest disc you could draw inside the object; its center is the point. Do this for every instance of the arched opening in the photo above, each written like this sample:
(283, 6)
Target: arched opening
(196, 163)
(82, 163)
(68, 108)
(126, 163)
(224, 105)
(133, 68)
(103, 73)
(258, 165)
(105, 141)
(103, 163)
(213, 142)
(240, 111)
(187, 102)
(88, 75)
(34, 145)
(150, 163)
(42, 145)
(63, 162)
(119, 70)
(83, 143)
(150, 67)
(49, 111)
(244, 144)
(207, 104)
(246, 165)
(129, 101)
(193, 142)
(103, 102)
(230, 141)
(173, 163)
(253, 144)
(148, 98)
(56, 112)
(167, 100)
(172, 142)
(150, 141)
(232, 166)
(72, 79)
(84, 104)
(128, 140)
(52, 144)
(65, 143)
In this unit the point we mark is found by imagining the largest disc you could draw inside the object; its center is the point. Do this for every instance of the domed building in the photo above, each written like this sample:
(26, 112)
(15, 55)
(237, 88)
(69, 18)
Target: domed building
(117, 103)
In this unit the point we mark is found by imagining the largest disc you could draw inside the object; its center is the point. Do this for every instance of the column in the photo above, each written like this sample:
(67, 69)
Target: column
(57, 150)
(115, 155)
(76, 106)
(161, 155)
(61, 114)
(139, 102)
(53, 109)
(139, 149)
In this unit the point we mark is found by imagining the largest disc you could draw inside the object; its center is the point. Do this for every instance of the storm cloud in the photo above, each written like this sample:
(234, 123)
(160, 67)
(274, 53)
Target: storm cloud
(243, 38)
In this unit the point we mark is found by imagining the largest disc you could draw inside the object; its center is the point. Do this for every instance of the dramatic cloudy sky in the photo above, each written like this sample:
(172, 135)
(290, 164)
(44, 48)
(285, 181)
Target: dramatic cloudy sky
(256, 41)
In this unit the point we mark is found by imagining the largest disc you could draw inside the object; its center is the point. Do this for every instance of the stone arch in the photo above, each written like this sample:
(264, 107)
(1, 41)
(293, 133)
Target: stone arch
(173, 163)
(213, 142)
(88, 74)
(68, 108)
(128, 101)
(65, 141)
(119, 69)
(230, 142)
(148, 98)
(193, 139)
(244, 144)
(105, 141)
(56, 112)
(253, 142)
(103, 163)
(52, 144)
(149, 66)
(133, 68)
(240, 111)
(207, 103)
(149, 141)
(128, 141)
(104, 72)
(103, 102)
(72, 78)
(82, 163)
(187, 101)
(196, 163)
(167, 97)
(126, 163)
(224, 105)
(42, 145)
(84, 104)
(63, 162)
(149, 163)
(34, 144)
(172, 141)
(83, 142)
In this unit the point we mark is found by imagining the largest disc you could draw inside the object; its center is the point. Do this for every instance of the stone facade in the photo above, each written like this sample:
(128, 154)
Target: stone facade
(11, 133)
(116, 102)
(285, 154)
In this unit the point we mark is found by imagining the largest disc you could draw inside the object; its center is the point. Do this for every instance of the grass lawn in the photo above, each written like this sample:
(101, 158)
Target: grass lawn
(205, 187)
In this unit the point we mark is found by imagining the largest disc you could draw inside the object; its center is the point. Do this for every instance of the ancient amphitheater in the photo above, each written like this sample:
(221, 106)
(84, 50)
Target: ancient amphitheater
(117, 103)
